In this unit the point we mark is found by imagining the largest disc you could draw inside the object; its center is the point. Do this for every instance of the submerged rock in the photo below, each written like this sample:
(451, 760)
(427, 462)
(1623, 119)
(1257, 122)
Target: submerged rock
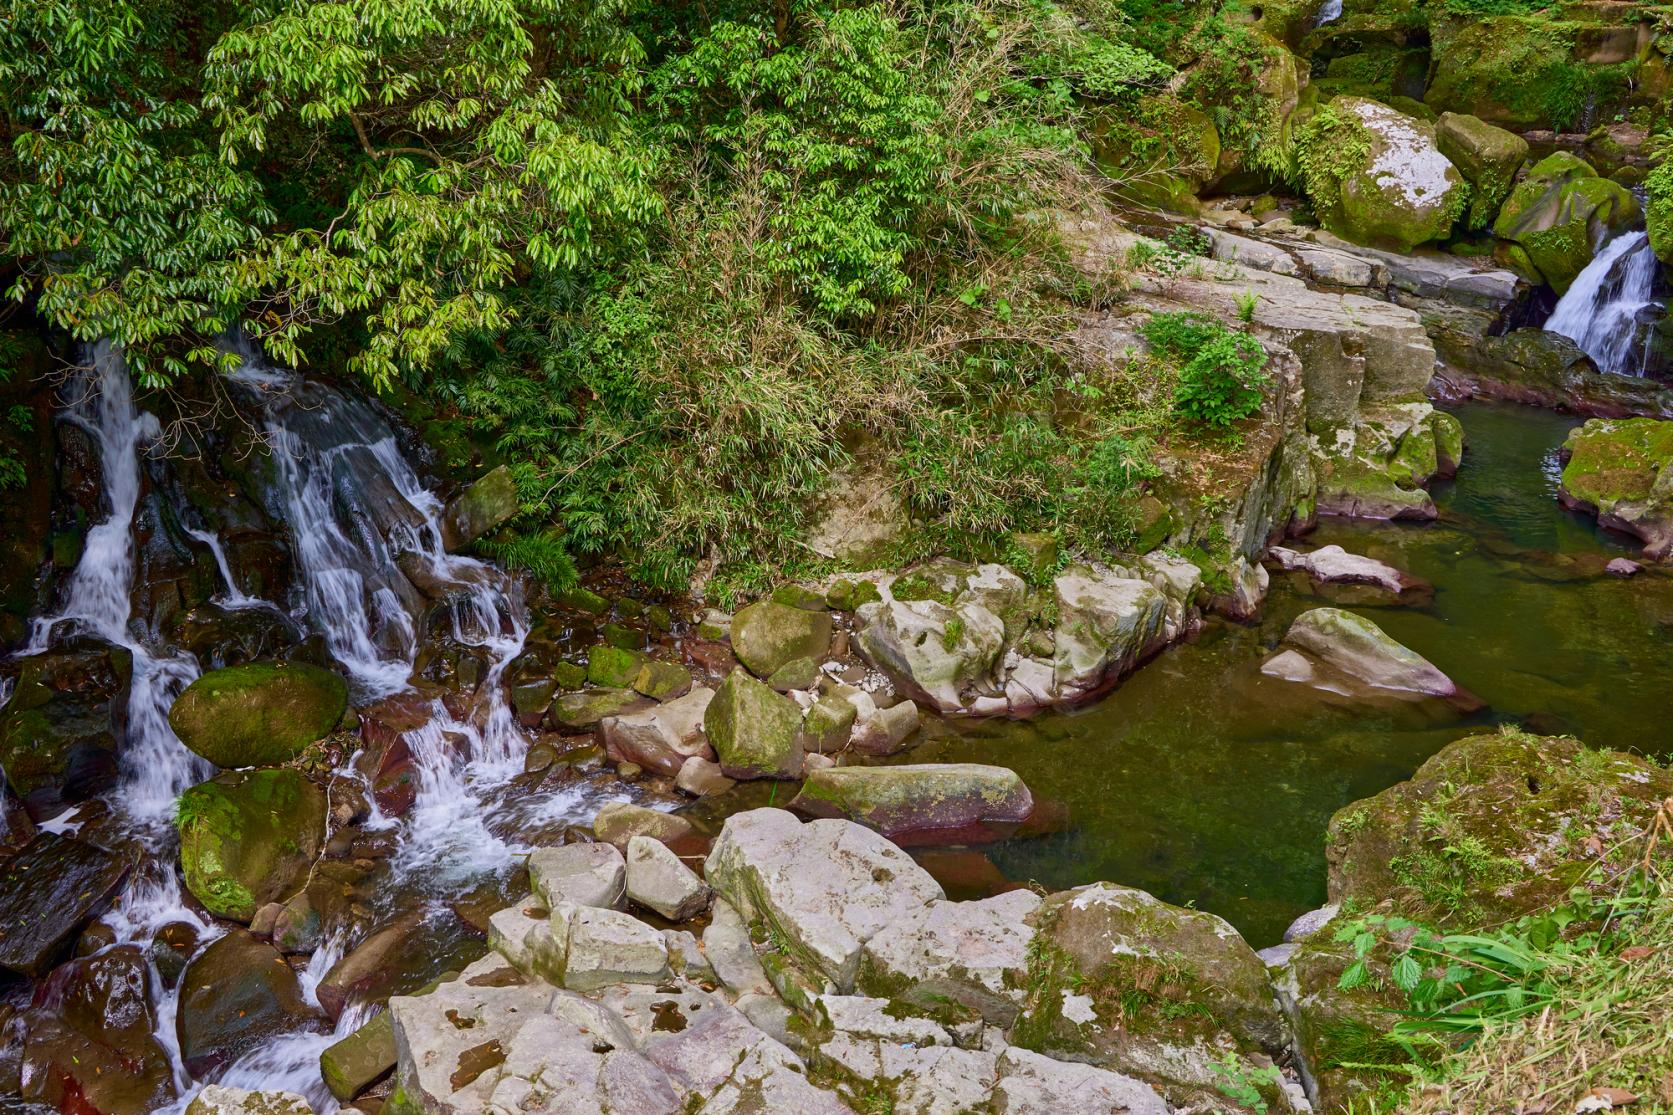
(48, 891)
(238, 995)
(1332, 565)
(1342, 652)
(258, 715)
(1622, 471)
(959, 801)
(247, 838)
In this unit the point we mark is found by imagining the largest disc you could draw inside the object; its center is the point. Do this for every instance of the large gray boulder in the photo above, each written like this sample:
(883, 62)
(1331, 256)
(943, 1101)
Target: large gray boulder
(1105, 624)
(660, 738)
(936, 652)
(659, 880)
(217, 1099)
(1339, 651)
(825, 888)
(591, 874)
(981, 946)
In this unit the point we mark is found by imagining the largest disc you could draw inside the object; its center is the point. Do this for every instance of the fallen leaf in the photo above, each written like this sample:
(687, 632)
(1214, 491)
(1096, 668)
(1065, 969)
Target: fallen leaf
(1639, 952)
(1615, 1097)
(1594, 845)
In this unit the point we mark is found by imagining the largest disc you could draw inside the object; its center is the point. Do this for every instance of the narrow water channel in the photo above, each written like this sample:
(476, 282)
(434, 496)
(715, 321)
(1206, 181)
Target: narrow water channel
(1207, 784)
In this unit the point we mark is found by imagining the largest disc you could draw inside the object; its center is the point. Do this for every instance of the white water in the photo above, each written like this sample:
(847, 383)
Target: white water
(1329, 13)
(234, 597)
(366, 537)
(1603, 311)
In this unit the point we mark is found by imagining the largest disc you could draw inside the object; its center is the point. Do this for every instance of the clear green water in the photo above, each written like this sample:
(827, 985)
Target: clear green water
(1207, 784)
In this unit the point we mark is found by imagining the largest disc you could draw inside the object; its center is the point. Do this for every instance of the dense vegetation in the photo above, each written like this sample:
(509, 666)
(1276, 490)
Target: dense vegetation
(674, 263)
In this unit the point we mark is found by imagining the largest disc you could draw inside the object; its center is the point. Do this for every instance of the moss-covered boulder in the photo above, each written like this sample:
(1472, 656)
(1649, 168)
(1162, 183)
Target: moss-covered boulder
(1488, 157)
(479, 509)
(766, 635)
(960, 801)
(1376, 176)
(1560, 212)
(1341, 1038)
(1621, 470)
(258, 715)
(1492, 827)
(1123, 980)
(247, 838)
(755, 731)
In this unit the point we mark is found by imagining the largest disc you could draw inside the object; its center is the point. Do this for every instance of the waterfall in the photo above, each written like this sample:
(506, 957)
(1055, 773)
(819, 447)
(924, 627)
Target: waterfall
(1328, 13)
(1603, 311)
(156, 766)
(235, 597)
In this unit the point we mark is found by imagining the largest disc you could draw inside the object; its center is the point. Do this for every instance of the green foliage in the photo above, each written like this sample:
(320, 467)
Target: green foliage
(1241, 1082)
(1329, 148)
(1222, 377)
(1658, 210)
(1246, 303)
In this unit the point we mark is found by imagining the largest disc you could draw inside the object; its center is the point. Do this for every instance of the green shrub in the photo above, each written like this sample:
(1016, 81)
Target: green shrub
(1222, 377)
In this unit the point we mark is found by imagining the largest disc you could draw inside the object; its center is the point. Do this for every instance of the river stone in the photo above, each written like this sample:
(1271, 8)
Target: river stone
(88, 1045)
(1145, 988)
(589, 707)
(980, 945)
(450, 1043)
(218, 1099)
(756, 733)
(611, 667)
(659, 880)
(579, 874)
(936, 652)
(766, 635)
(608, 947)
(880, 731)
(958, 798)
(1487, 156)
(1527, 803)
(258, 715)
(702, 777)
(237, 995)
(827, 725)
(57, 745)
(1105, 624)
(248, 838)
(1397, 189)
(356, 1062)
(730, 952)
(828, 886)
(395, 959)
(737, 1069)
(1332, 565)
(1030, 1084)
(618, 822)
(48, 891)
(1560, 211)
(662, 681)
(486, 504)
(1621, 470)
(532, 938)
(1360, 651)
(660, 738)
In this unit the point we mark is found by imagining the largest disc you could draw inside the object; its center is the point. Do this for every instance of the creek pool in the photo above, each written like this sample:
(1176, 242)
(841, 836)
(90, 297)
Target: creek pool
(1209, 785)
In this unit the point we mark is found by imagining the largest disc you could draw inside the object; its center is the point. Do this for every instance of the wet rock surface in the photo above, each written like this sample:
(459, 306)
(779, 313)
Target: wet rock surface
(48, 891)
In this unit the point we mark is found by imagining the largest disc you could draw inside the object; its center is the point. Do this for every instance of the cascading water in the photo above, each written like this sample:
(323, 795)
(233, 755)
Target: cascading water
(1329, 12)
(1604, 311)
(234, 597)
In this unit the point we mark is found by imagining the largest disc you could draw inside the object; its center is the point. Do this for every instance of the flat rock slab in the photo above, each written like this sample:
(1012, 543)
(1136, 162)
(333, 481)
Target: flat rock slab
(1332, 565)
(1031, 1084)
(579, 874)
(984, 944)
(964, 801)
(827, 886)
(48, 891)
(659, 880)
(723, 1057)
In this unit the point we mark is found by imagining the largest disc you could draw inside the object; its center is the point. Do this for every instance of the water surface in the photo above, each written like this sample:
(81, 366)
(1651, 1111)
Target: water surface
(1207, 784)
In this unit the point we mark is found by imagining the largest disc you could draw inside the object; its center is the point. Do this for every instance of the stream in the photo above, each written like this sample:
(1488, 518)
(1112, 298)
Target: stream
(1210, 785)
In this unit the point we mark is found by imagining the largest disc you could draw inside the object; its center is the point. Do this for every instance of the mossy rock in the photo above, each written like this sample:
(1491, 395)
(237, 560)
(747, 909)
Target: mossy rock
(247, 838)
(1492, 827)
(1559, 212)
(260, 714)
(766, 635)
(614, 667)
(1342, 1036)
(756, 733)
(917, 797)
(1488, 157)
(1622, 471)
(1125, 981)
(1376, 176)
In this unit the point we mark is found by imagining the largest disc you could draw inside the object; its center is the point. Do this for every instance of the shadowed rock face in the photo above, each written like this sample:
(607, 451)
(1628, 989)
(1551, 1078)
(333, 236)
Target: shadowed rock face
(237, 995)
